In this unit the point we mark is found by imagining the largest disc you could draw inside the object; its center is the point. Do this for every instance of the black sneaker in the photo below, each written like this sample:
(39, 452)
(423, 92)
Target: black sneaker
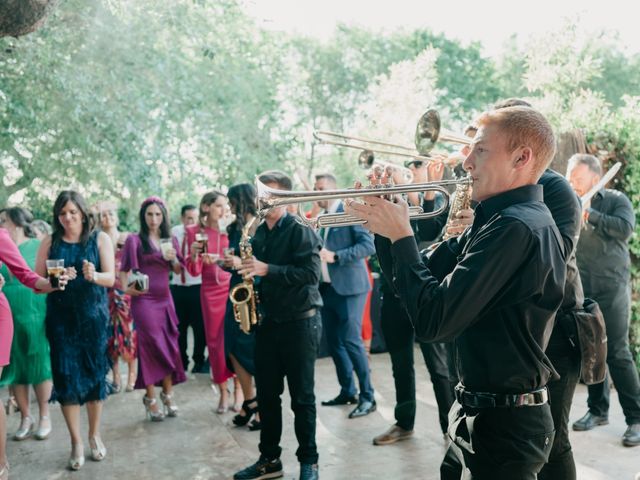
(309, 471)
(589, 421)
(263, 468)
(631, 437)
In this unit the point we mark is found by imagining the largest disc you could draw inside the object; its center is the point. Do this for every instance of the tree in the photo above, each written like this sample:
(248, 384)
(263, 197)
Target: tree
(125, 99)
(19, 17)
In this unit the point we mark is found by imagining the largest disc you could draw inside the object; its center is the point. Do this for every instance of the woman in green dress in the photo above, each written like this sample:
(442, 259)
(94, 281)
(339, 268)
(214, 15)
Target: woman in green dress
(30, 360)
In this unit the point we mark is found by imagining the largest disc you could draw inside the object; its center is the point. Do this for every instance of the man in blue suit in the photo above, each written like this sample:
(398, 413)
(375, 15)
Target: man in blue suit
(344, 287)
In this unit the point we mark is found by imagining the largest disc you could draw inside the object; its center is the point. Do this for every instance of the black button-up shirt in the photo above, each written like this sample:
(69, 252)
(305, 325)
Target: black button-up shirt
(292, 252)
(564, 205)
(603, 248)
(499, 301)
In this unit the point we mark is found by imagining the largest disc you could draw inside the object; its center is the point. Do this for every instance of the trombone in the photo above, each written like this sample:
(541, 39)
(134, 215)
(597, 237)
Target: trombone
(268, 198)
(368, 145)
(429, 132)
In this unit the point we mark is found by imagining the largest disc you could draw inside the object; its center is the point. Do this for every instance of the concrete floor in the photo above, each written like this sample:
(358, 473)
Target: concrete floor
(201, 445)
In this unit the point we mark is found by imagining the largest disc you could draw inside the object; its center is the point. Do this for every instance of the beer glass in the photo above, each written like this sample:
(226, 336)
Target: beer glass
(203, 239)
(165, 245)
(55, 268)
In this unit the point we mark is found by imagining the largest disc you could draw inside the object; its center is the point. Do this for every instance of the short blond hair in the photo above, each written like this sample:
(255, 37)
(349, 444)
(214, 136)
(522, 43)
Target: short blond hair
(524, 126)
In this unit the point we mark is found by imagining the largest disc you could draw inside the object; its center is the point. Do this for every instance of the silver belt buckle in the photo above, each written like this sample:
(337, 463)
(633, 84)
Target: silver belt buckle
(533, 399)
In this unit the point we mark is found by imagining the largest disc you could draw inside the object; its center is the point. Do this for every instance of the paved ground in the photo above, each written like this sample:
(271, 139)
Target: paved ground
(200, 445)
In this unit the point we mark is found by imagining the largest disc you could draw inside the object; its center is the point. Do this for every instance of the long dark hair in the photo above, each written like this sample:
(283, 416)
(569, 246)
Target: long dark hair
(208, 199)
(243, 197)
(21, 217)
(165, 231)
(87, 219)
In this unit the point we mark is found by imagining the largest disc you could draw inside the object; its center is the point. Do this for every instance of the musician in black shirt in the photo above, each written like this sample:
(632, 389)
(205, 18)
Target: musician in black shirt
(495, 291)
(287, 260)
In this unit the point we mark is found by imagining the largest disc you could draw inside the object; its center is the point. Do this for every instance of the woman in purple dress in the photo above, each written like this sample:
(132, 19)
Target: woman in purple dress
(159, 362)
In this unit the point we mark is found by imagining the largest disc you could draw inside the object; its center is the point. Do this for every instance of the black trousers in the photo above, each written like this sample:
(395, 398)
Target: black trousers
(400, 338)
(507, 443)
(189, 311)
(287, 350)
(614, 300)
(566, 360)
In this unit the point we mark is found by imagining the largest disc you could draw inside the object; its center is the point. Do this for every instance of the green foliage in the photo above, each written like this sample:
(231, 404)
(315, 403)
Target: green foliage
(172, 98)
(123, 99)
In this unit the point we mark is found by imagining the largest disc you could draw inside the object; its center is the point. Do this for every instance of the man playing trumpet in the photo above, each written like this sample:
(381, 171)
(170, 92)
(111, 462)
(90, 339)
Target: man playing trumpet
(494, 291)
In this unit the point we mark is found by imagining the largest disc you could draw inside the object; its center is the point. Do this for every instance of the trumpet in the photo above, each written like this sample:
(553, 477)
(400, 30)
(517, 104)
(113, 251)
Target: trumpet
(269, 198)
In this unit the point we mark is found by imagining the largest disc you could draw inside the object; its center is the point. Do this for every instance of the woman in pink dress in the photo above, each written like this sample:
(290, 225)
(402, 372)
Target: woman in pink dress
(159, 361)
(215, 286)
(11, 257)
(122, 339)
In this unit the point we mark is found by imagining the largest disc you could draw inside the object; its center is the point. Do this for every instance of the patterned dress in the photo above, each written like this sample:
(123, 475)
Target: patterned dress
(123, 341)
(76, 321)
(30, 362)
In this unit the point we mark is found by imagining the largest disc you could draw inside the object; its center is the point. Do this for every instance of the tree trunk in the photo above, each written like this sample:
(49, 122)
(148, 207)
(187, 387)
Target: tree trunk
(568, 144)
(19, 17)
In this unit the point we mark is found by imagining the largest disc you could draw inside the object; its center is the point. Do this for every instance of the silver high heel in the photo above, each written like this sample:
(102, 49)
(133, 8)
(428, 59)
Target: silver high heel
(11, 406)
(170, 410)
(76, 461)
(26, 427)
(156, 416)
(98, 450)
(4, 472)
(42, 433)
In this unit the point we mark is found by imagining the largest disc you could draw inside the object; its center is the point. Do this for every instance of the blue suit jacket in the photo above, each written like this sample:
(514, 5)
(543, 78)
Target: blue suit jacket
(352, 245)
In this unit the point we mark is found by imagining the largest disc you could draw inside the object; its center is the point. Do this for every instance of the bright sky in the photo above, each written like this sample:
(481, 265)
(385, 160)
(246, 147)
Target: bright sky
(489, 21)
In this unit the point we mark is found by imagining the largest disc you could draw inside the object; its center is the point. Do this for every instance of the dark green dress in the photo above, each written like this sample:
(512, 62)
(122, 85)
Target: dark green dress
(30, 361)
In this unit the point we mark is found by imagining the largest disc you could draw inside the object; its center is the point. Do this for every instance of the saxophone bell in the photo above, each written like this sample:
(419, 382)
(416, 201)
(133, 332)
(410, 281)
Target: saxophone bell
(244, 296)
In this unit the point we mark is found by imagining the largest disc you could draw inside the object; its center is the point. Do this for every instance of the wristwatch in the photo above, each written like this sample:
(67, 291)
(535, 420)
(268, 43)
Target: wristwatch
(335, 257)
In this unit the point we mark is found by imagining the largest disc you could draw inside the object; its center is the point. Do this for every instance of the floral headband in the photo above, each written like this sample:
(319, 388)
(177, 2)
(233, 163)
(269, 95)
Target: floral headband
(153, 199)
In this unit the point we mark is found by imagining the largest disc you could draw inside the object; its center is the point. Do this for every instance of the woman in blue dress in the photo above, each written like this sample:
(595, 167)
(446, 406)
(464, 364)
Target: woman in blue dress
(239, 346)
(77, 320)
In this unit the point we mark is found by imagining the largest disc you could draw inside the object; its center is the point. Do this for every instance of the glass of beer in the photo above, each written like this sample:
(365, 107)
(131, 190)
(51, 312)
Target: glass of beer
(203, 239)
(165, 245)
(55, 268)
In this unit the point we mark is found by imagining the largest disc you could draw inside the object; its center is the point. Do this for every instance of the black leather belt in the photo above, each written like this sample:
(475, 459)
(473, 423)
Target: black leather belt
(500, 400)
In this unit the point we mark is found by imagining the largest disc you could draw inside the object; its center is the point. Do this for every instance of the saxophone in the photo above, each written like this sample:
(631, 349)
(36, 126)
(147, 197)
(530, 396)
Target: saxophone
(244, 296)
(461, 201)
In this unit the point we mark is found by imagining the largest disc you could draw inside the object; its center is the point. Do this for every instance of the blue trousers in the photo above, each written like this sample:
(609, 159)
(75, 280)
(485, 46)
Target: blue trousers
(342, 322)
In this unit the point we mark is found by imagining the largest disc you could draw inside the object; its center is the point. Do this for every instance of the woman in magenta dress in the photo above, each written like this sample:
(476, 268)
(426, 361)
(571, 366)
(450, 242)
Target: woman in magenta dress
(11, 257)
(159, 362)
(123, 338)
(215, 286)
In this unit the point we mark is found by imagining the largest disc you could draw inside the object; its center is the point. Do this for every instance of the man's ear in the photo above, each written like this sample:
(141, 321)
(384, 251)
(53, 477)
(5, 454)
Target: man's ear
(523, 157)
